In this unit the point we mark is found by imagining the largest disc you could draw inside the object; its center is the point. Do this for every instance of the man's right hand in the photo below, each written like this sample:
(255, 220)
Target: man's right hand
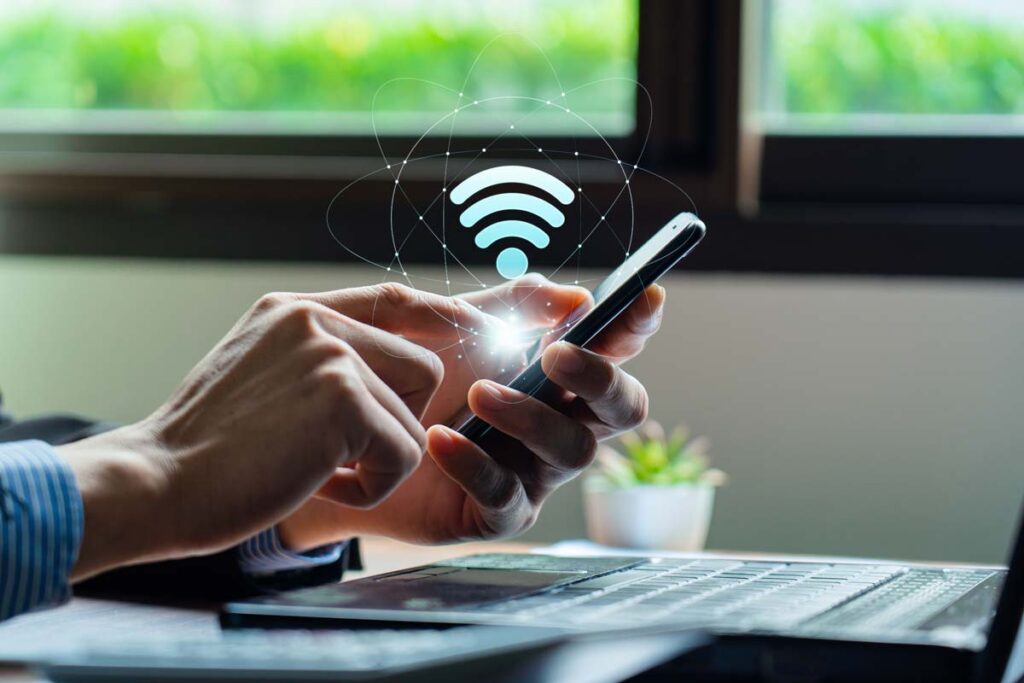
(306, 395)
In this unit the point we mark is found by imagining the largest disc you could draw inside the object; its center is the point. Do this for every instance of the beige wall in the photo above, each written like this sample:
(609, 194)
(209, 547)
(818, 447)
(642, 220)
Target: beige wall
(868, 416)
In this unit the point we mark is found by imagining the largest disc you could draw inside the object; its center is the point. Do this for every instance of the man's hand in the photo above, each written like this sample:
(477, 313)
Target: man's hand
(303, 397)
(461, 492)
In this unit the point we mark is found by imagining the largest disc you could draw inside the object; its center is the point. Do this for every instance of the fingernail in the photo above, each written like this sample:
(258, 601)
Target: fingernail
(442, 438)
(494, 395)
(569, 361)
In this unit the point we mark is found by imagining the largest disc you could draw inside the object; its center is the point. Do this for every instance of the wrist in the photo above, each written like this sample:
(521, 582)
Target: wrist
(122, 490)
(316, 524)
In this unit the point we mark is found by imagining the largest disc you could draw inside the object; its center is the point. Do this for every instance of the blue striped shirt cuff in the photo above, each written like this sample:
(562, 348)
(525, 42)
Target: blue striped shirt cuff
(264, 554)
(41, 526)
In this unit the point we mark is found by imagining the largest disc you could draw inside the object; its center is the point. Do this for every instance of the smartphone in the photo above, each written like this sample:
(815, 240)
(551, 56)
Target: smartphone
(613, 296)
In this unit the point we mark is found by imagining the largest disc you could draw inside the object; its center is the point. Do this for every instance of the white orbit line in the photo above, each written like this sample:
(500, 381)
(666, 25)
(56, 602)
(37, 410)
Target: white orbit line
(460, 106)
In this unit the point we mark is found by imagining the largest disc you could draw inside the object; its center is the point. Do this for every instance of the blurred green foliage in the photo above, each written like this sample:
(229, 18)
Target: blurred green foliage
(185, 61)
(649, 457)
(834, 60)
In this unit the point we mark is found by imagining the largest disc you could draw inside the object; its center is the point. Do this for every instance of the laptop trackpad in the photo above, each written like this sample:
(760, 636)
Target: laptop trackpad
(440, 588)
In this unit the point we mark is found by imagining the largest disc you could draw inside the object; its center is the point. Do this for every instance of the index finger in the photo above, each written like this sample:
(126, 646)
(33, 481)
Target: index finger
(626, 335)
(533, 299)
(396, 308)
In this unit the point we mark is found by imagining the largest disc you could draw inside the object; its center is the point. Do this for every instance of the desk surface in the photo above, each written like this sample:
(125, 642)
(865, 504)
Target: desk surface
(379, 556)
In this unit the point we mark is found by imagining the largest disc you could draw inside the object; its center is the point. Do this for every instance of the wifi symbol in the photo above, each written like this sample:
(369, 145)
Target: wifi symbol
(512, 261)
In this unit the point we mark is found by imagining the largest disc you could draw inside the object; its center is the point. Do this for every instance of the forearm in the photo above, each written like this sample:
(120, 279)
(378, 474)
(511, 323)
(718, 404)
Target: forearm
(122, 501)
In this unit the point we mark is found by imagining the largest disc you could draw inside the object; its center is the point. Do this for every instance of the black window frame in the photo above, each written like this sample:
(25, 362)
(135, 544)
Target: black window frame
(861, 205)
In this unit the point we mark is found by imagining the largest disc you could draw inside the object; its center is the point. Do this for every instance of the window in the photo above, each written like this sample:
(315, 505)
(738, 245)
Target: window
(882, 102)
(850, 136)
(311, 66)
(918, 68)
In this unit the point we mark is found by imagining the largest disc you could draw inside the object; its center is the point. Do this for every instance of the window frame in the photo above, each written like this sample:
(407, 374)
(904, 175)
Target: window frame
(780, 204)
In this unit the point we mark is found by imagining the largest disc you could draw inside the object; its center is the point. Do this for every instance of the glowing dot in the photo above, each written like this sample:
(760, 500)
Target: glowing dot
(567, 110)
(447, 154)
(447, 282)
(460, 356)
(389, 269)
(474, 344)
(405, 161)
(627, 181)
(484, 149)
(460, 94)
(476, 102)
(563, 94)
(389, 165)
(421, 217)
(405, 273)
(460, 341)
(396, 253)
(635, 166)
(579, 246)
(575, 154)
(627, 253)
(511, 125)
(444, 246)
(444, 189)
(602, 217)
(575, 282)
(548, 102)
(547, 304)
(579, 189)
(396, 182)
(456, 110)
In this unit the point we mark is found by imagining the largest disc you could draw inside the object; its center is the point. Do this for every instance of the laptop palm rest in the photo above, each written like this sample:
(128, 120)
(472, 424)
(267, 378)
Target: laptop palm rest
(444, 587)
(453, 587)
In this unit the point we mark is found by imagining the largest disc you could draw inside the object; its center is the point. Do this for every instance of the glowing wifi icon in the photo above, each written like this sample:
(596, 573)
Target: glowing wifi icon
(512, 261)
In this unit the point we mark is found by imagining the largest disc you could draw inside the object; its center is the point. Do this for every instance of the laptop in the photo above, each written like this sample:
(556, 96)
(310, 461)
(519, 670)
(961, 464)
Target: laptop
(775, 620)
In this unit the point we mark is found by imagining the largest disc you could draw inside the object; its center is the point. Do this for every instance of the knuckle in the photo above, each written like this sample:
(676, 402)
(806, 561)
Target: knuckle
(506, 496)
(637, 410)
(429, 368)
(272, 301)
(410, 456)
(586, 448)
(338, 382)
(301, 320)
(396, 294)
(330, 349)
(531, 280)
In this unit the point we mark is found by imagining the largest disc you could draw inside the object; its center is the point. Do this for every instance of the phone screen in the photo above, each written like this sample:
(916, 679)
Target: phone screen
(611, 297)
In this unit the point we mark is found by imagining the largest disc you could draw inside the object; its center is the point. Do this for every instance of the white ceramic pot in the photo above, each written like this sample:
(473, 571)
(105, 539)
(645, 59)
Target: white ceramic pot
(648, 517)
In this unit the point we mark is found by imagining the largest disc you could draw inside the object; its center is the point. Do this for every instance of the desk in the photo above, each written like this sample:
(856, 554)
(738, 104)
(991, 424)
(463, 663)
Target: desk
(380, 555)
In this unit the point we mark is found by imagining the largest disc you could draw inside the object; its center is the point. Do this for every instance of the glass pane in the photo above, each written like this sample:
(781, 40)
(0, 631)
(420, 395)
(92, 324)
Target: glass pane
(314, 65)
(908, 65)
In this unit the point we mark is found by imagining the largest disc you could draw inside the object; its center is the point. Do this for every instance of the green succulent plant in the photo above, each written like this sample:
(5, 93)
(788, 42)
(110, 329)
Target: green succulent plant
(650, 457)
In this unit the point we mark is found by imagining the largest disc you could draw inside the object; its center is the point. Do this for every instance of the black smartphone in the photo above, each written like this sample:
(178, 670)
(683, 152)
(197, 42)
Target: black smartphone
(615, 293)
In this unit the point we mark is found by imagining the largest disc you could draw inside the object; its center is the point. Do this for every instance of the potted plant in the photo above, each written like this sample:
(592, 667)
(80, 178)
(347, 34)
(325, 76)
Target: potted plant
(657, 493)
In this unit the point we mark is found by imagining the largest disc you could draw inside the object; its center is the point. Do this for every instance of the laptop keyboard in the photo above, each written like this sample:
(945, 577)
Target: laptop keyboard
(745, 595)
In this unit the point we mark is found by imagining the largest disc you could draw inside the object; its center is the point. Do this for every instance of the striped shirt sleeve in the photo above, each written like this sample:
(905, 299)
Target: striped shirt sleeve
(264, 554)
(41, 525)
